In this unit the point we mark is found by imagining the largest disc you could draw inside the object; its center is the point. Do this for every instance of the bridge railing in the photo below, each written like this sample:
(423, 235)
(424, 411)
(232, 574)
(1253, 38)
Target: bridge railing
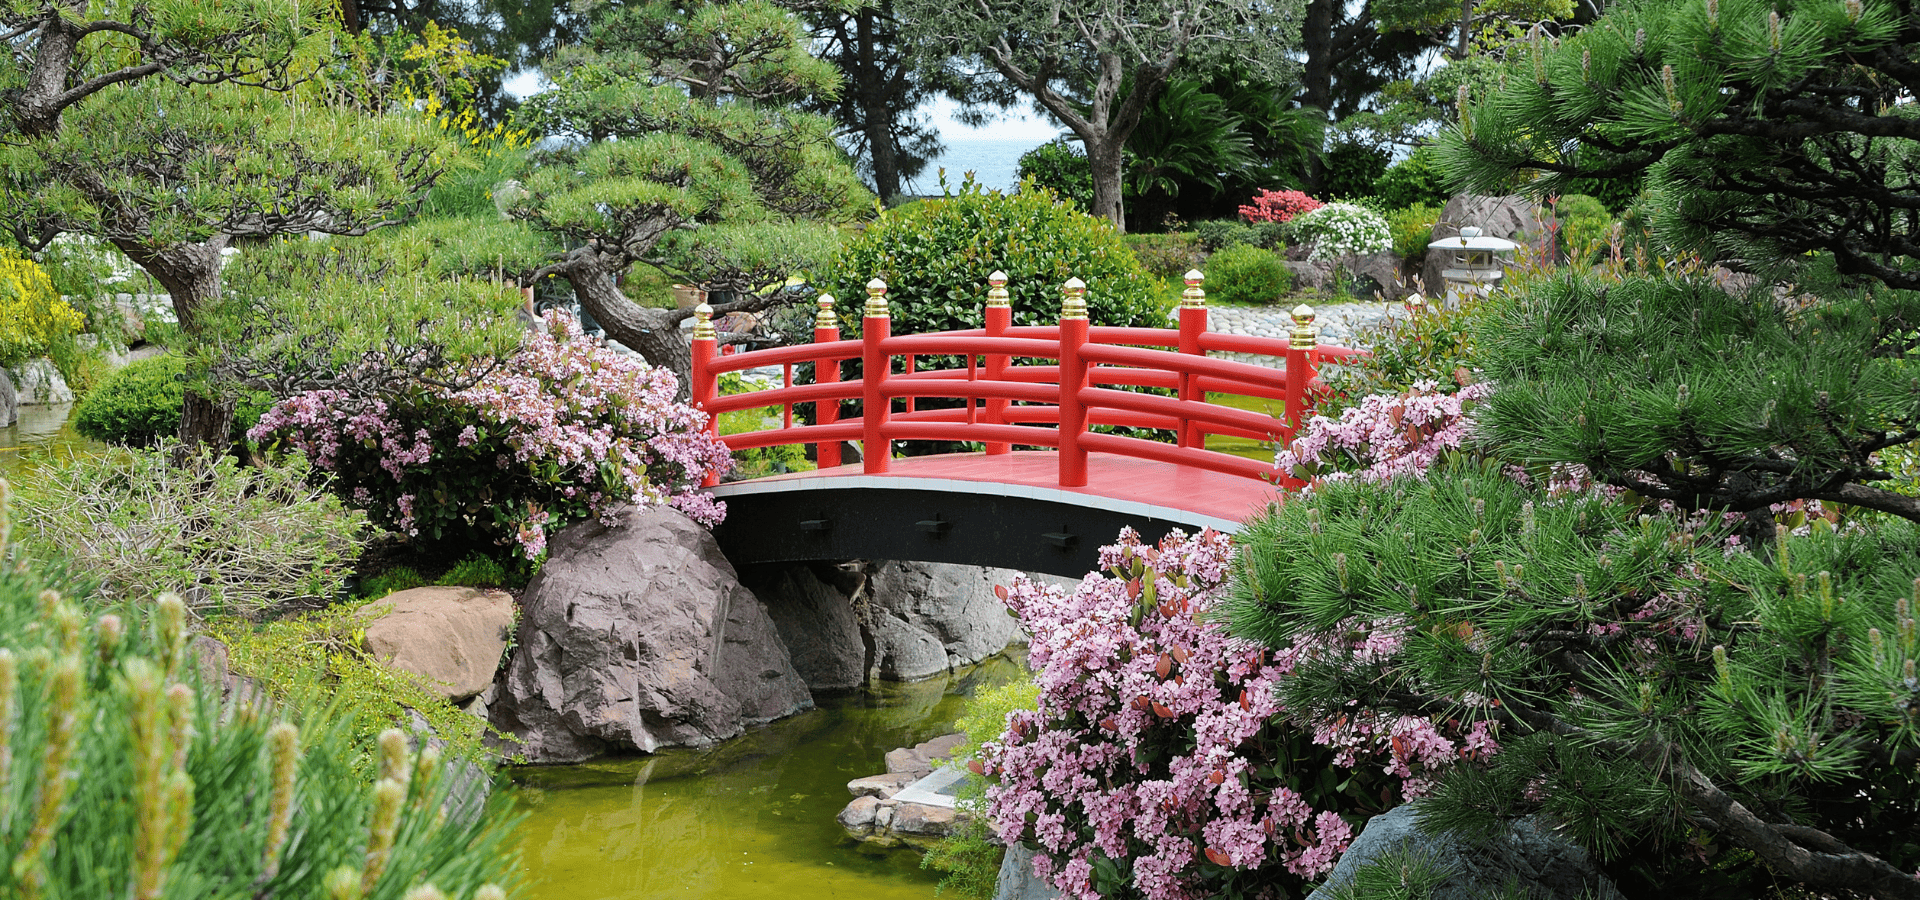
(1008, 401)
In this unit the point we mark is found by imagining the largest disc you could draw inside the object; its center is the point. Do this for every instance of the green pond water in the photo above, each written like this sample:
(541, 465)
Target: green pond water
(41, 430)
(749, 819)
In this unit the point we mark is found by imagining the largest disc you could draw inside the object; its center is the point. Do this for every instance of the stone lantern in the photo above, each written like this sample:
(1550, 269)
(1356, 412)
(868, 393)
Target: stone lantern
(1474, 263)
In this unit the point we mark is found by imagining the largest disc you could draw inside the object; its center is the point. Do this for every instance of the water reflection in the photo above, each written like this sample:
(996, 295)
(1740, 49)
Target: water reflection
(749, 819)
(42, 429)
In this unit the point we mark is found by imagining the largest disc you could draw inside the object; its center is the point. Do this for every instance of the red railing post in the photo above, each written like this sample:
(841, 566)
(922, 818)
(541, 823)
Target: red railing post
(1302, 366)
(1193, 323)
(826, 330)
(1073, 378)
(705, 386)
(999, 319)
(875, 326)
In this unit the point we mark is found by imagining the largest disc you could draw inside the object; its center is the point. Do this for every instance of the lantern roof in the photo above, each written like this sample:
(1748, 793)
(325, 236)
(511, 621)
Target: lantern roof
(1471, 239)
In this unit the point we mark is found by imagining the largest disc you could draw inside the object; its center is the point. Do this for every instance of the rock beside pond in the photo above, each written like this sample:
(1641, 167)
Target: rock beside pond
(929, 618)
(817, 621)
(37, 382)
(1017, 881)
(9, 401)
(1530, 854)
(451, 638)
(877, 817)
(640, 636)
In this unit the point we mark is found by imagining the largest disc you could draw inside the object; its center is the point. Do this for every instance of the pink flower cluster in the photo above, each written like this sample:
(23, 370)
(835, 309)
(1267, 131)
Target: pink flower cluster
(565, 429)
(1158, 759)
(1278, 206)
(1383, 436)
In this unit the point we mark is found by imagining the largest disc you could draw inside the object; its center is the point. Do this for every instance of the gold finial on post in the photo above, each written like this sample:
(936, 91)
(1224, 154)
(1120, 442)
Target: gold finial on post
(1304, 334)
(825, 317)
(877, 299)
(997, 289)
(1075, 304)
(703, 323)
(1193, 297)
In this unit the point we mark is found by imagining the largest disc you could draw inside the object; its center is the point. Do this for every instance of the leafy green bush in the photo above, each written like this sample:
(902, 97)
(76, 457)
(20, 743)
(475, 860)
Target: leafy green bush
(1350, 168)
(1246, 274)
(1412, 229)
(32, 315)
(1218, 234)
(1343, 229)
(1584, 223)
(1168, 256)
(1060, 165)
(1412, 181)
(139, 404)
(392, 581)
(230, 538)
(476, 571)
(935, 256)
(1437, 345)
(124, 777)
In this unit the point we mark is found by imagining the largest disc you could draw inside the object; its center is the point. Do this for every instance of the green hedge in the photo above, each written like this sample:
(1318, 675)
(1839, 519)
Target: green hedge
(139, 405)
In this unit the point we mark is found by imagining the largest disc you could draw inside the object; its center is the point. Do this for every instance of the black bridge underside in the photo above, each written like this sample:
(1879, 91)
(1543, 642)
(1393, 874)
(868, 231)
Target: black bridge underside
(1059, 532)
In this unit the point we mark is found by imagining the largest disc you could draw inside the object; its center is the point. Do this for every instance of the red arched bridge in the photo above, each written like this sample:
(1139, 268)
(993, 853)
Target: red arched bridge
(1007, 387)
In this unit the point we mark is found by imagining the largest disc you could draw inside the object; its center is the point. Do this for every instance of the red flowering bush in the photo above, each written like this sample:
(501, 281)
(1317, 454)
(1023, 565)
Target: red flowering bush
(563, 430)
(1158, 765)
(1278, 206)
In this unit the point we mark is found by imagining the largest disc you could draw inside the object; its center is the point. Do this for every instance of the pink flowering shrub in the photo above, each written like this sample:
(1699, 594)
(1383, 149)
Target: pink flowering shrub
(1158, 764)
(563, 430)
(1278, 206)
(1384, 435)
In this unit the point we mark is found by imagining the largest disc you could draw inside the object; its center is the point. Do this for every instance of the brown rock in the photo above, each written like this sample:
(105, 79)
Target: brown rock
(881, 786)
(923, 821)
(451, 638)
(640, 636)
(906, 762)
(861, 813)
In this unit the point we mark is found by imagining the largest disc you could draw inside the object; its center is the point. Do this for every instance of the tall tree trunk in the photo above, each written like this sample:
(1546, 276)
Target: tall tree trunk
(1106, 157)
(191, 275)
(876, 123)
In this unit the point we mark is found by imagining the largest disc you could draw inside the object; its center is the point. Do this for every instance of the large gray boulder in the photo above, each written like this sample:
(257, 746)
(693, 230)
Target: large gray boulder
(1530, 854)
(1511, 218)
(9, 401)
(450, 638)
(37, 382)
(812, 609)
(929, 618)
(636, 637)
(1017, 881)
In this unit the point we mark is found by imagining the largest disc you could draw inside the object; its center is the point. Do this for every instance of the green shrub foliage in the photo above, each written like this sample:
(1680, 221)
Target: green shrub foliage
(1412, 229)
(230, 538)
(1583, 223)
(136, 406)
(1219, 234)
(1244, 273)
(139, 404)
(1169, 256)
(1412, 181)
(935, 257)
(121, 776)
(1061, 166)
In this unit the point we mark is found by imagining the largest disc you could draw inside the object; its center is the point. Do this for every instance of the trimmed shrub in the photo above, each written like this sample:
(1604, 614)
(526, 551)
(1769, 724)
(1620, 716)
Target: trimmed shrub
(1247, 274)
(230, 538)
(32, 315)
(1060, 165)
(125, 776)
(137, 406)
(935, 257)
(1412, 181)
(563, 430)
(1350, 169)
(1168, 256)
(1219, 234)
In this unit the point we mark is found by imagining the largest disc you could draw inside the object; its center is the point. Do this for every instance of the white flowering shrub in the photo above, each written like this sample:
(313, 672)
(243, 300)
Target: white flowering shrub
(1343, 229)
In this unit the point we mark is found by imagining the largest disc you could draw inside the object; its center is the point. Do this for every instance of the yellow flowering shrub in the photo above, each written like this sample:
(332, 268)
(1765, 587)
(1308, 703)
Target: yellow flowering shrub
(32, 315)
